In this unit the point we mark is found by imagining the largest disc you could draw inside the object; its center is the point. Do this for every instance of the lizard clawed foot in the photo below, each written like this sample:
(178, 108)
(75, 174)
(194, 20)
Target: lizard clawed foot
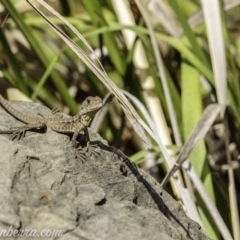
(79, 153)
(84, 153)
(18, 133)
(91, 150)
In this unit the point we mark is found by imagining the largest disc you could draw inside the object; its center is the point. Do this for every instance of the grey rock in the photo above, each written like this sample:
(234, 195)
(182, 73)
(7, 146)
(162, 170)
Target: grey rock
(44, 188)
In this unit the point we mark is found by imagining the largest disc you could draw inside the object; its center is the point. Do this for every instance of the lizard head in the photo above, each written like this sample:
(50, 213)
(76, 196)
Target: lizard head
(89, 107)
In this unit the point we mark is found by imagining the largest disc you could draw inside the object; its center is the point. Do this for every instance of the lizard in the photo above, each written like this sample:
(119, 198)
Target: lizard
(71, 125)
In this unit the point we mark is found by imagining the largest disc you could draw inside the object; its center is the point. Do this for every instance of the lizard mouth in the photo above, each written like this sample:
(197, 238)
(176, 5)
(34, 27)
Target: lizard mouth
(92, 111)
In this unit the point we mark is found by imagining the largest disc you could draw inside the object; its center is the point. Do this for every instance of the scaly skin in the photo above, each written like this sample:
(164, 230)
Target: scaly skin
(72, 125)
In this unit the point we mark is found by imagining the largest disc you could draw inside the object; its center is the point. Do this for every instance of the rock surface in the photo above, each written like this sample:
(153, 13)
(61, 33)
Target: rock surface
(44, 188)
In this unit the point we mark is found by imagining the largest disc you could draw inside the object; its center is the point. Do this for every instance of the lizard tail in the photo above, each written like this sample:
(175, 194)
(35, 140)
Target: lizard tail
(15, 113)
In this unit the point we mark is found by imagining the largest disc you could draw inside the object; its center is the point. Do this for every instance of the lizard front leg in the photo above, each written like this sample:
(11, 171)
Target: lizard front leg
(77, 151)
(75, 135)
(74, 139)
(90, 148)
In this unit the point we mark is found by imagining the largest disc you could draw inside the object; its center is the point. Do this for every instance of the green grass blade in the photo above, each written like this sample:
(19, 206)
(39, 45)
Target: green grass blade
(192, 111)
(44, 78)
(94, 8)
(196, 48)
(27, 31)
(175, 43)
(18, 78)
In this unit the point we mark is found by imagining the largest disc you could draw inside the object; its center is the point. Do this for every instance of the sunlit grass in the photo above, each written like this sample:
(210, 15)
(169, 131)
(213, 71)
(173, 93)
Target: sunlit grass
(39, 64)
